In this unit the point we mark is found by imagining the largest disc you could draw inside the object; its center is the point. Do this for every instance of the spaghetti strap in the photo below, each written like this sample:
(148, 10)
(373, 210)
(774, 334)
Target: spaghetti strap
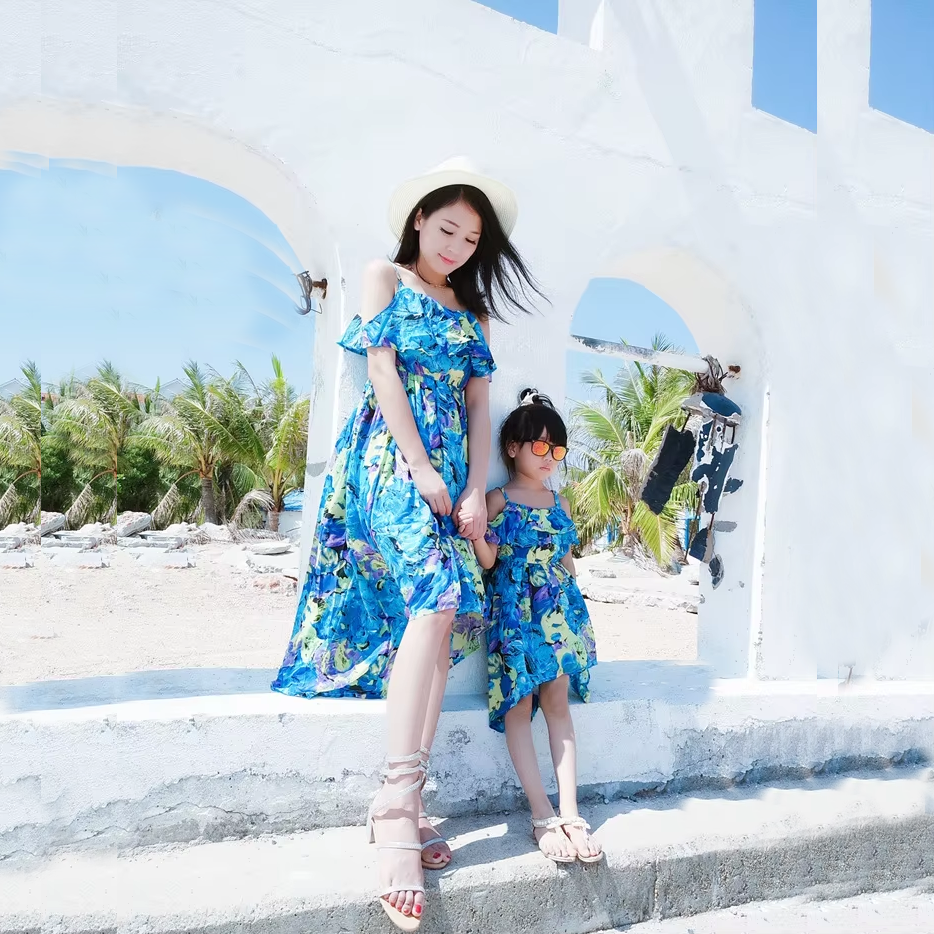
(557, 498)
(398, 277)
(502, 490)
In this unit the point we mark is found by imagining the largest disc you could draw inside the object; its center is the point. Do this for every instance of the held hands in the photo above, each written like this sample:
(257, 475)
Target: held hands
(470, 510)
(432, 489)
(470, 514)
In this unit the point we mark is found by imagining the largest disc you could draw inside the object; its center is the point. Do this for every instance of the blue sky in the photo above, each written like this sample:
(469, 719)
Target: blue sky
(99, 263)
(146, 268)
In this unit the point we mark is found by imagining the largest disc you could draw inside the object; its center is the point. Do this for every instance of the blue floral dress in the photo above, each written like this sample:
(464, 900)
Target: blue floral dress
(380, 556)
(539, 625)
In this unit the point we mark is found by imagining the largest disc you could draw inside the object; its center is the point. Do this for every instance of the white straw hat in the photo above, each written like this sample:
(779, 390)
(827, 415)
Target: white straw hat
(457, 171)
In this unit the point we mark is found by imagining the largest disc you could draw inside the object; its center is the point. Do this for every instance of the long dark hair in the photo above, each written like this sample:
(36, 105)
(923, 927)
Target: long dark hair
(495, 273)
(534, 416)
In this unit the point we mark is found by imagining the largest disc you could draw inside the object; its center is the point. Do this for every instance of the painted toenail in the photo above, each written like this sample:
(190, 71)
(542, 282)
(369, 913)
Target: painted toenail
(418, 909)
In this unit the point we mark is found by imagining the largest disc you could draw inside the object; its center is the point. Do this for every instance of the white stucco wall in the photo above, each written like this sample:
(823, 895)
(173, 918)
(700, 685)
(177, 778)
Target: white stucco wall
(806, 259)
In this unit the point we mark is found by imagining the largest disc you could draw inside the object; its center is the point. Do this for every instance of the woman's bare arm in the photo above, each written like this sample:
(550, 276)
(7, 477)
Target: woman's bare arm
(470, 510)
(487, 553)
(379, 285)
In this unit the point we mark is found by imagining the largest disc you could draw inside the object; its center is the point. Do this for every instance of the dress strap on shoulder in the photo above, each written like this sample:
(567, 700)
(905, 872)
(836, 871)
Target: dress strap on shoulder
(398, 276)
(502, 490)
(557, 498)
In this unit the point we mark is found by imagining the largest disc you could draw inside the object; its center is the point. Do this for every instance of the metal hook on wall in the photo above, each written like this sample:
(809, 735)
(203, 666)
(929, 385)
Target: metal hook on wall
(314, 291)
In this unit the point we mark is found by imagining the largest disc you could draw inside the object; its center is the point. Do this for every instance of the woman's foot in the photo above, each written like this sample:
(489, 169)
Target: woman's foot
(587, 849)
(397, 869)
(438, 854)
(551, 839)
(394, 828)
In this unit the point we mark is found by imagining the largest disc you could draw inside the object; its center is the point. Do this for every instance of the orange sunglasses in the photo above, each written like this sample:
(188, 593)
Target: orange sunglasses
(541, 448)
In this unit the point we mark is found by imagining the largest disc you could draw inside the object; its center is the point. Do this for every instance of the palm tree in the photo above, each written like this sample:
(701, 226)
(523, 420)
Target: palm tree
(616, 440)
(20, 446)
(272, 422)
(96, 419)
(195, 432)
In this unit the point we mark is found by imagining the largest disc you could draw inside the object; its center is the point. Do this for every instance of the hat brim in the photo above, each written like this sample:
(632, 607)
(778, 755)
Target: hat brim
(409, 193)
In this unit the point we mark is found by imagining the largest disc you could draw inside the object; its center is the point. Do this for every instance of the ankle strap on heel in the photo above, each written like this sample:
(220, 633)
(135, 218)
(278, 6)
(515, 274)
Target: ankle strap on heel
(394, 771)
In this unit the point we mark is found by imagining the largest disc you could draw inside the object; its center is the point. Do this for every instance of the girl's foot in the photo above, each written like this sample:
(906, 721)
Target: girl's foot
(551, 839)
(588, 850)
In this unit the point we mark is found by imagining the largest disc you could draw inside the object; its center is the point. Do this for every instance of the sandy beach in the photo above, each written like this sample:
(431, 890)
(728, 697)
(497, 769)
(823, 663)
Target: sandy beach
(69, 622)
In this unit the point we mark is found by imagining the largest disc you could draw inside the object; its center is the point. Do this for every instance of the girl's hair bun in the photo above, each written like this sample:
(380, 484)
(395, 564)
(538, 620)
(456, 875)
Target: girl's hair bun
(531, 396)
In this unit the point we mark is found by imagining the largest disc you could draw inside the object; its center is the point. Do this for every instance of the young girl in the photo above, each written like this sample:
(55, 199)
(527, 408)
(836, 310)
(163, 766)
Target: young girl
(540, 638)
(393, 593)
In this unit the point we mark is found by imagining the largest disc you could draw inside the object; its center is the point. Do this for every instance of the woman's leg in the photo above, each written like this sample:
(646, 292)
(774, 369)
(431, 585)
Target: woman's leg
(518, 722)
(553, 698)
(408, 699)
(440, 852)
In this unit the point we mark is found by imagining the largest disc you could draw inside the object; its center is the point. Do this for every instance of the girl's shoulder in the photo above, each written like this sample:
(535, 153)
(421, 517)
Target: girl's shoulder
(495, 503)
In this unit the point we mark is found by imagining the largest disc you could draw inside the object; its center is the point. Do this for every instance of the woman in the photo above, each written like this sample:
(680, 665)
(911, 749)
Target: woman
(394, 593)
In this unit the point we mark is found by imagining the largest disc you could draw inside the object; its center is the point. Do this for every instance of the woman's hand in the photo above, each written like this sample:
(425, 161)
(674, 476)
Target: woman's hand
(470, 513)
(432, 489)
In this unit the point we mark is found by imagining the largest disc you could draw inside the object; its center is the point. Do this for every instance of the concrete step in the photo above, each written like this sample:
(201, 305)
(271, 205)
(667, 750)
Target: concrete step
(665, 857)
(905, 911)
(165, 757)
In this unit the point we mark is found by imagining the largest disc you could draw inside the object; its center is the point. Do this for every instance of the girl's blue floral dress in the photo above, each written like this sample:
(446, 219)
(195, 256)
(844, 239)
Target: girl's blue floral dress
(539, 625)
(380, 556)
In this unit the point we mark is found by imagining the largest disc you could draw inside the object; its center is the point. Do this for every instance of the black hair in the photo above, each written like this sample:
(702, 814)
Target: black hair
(494, 273)
(535, 415)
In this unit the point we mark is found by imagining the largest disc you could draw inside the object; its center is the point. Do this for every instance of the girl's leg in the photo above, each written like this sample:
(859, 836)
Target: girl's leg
(553, 698)
(406, 711)
(440, 852)
(518, 722)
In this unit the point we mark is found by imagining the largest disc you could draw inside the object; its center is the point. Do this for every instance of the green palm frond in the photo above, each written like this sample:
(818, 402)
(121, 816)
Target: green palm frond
(10, 505)
(614, 440)
(167, 508)
(172, 441)
(86, 505)
(252, 499)
(287, 451)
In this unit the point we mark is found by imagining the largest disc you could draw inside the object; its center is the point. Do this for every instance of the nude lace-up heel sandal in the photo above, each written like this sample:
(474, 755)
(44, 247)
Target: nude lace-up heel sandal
(402, 921)
(428, 864)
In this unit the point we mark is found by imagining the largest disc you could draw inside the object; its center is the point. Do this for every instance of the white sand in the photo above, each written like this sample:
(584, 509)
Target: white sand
(58, 622)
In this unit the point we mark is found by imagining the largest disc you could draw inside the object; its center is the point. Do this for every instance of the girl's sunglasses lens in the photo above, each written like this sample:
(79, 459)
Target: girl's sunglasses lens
(541, 448)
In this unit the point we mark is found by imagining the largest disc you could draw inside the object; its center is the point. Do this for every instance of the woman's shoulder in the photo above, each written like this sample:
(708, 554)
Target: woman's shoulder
(380, 270)
(379, 287)
(485, 328)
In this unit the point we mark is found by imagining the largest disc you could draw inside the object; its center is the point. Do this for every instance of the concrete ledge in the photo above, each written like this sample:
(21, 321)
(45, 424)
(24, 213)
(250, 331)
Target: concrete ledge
(77, 771)
(675, 856)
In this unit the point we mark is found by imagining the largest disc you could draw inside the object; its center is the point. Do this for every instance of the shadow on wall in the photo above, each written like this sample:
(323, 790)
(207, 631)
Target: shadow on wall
(137, 686)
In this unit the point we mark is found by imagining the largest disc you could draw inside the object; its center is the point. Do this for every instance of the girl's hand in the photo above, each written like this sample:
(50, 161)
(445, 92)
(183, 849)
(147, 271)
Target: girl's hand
(470, 514)
(432, 489)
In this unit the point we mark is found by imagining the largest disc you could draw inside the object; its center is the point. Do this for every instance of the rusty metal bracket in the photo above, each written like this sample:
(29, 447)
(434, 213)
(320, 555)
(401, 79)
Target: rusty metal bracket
(665, 358)
(314, 291)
